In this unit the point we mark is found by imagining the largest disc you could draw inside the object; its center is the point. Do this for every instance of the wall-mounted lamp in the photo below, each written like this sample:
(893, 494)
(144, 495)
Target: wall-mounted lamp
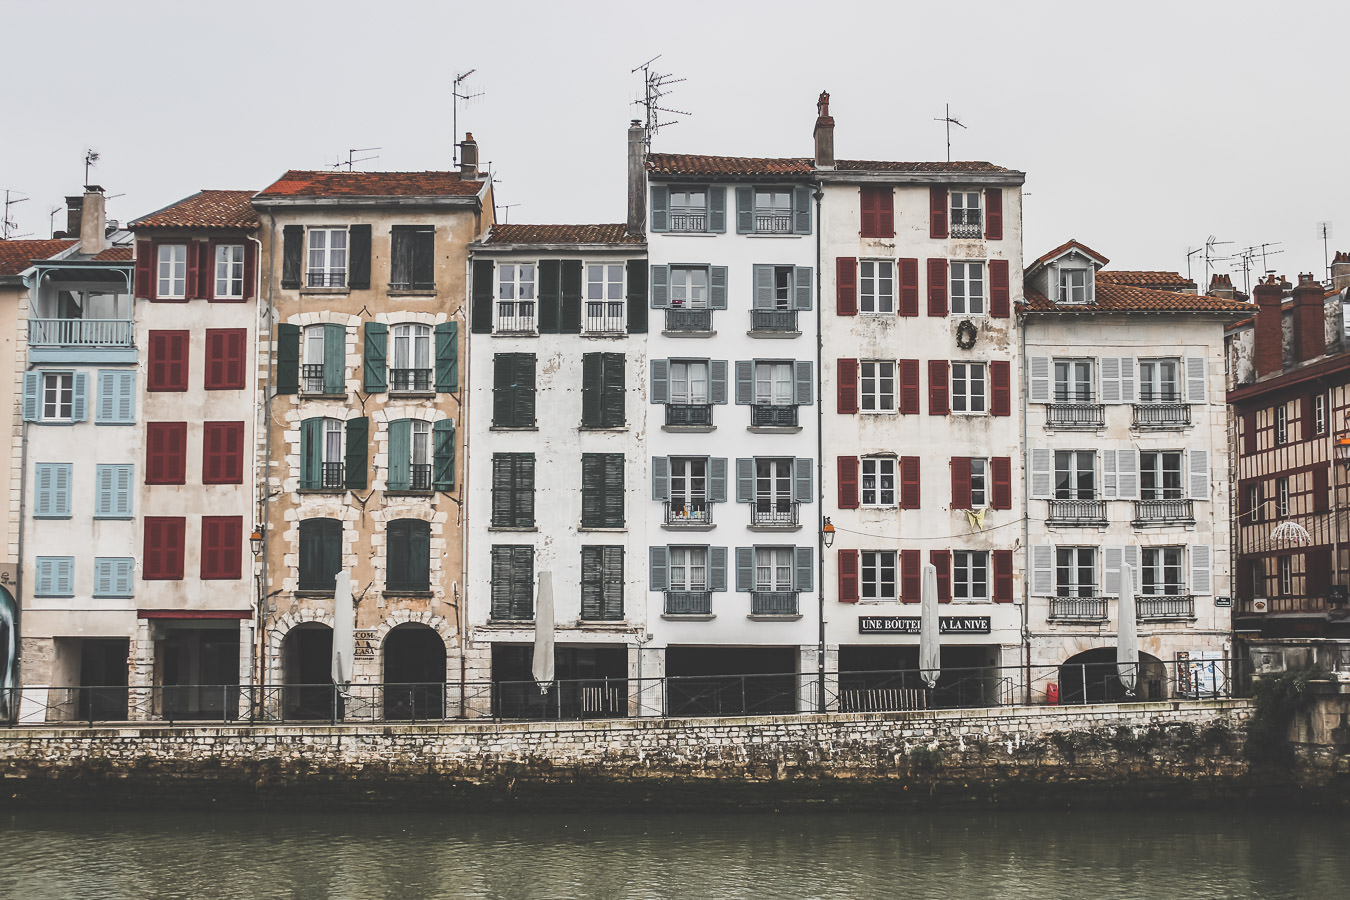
(827, 529)
(1343, 449)
(255, 540)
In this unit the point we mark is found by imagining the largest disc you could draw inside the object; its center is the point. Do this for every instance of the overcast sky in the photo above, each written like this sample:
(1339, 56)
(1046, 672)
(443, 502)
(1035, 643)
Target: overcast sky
(1143, 127)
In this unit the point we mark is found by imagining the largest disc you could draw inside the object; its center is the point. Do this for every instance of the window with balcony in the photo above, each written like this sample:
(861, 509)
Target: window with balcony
(774, 576)
(605, 298)
(969, 392)
(877, 574)
(967, 288)
(689, 389)
(780, 291)
(773, 209)
(324, 370)
(410, 455)
(512, 490)
(327, 258)
(1075, 572)
(688, 501)
(1159, 381)
(876, 287)
(512, 587)
(410, 365)
(516, 299)
(876, 386)
(689, 287)
(229, 272)
(171, 272)
(774, 390)
(877, 486)
(1075, 475)
(689, 209)
(970, 575)
(1160, 475)
(777, 490)
(688, 582)
(1073, 381)
(966, 221)
(1161, 572)
(332, 454)
(1075, 285)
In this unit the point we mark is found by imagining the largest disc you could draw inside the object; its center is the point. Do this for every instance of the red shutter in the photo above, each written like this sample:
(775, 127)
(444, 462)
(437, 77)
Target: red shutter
(1003, 581)
(848, 482)
(222, 547)
(937, 212)
(1000, 395)
(942, 561)
(223, 453)
(993, 214)
(1307, 418)
(868, 201)
(166, 453)
(909, 286)
(166, 361)
(209, 271)
(162, 557)
(847, 381)
(909, 386)
(846, 286)
(886, 211)
(1319, 487)
(961, 482)
(145, 269)
(225, 353)
(937, 287)
(1002, 478)
(192, 287)
(1317, 566)
(999, 303)
(848, 576)
(1249, 431)
(911, 585)
(909, 482)
(937, 388)
(250, 268)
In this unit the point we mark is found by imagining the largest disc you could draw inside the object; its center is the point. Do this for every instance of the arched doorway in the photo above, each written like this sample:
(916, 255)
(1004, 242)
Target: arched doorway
(414, 673)
(307, 658)
(1091, 677)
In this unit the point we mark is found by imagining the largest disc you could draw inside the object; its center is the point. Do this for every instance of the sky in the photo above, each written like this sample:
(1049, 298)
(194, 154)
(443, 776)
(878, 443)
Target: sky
(1144, 128)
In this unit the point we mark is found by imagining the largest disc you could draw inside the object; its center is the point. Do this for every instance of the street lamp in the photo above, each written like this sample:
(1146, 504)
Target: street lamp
(255, 540)
(827, 529)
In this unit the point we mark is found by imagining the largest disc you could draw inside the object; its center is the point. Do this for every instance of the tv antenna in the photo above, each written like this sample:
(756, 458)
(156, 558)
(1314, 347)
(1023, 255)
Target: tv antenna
(1246, 257)
(51, 219)
(8, 225)
(1210, 256)
(1189, 255)
(656, 85)
(1324, 232)
(352, 159)
(947, 117)
(457, 96)
(507, 208)
(90, 159)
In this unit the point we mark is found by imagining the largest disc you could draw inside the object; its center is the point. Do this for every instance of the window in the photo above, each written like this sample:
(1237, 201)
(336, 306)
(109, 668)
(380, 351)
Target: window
(1160, 475)
(968, 388)
(412, 257)
(979, 482)
(876, 287)
(603, 392)
(172, 279)
(1281, 424)
(166, 453)
(877, 386)
(52, 490)
(1075, 572)
(1075, 475)
(878, 574)
(222, 453)
(515, 297)
(222, 548)
(605, 300)
(689, 287)
(878, 481)
(513, 490)
(773, 384)
(688, 568)
(602, 490)
(408, 556)
(1158, 381)
(970, 575)
(773, 569)
(410, 366)
(689, 382)
(327, 257)
(689, 487)
(773, 492)
(320, 554)
(966, 222)
(1074, 286)
(116, 397)
(512, 582)
(410, 455)
(1255, 503)
(1320, 414)
(113, 576)
(1073, 381)
(325, 367)
(113, 485)
(58, 396)
(773, 211)
(54, 576)
(1286, 576)
(166, 362)
(513, 390)
(162, 559)
(1282, 497)
(229, 272)
(602, 584)
(1161, 573)
(688, 209)
(967, 296)
(225, 358)
(322, 460)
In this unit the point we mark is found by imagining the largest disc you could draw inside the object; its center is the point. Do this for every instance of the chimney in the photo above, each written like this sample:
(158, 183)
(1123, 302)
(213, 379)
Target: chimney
(468, 157)
(74, 211)
(824, 133)
(1269, 293)
(1340, 271)
(93, 234)
(1310, 340)
(637, 179)
(1221, 286)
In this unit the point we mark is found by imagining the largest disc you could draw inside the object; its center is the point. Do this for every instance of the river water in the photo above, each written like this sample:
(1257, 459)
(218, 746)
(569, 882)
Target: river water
(1003, 854)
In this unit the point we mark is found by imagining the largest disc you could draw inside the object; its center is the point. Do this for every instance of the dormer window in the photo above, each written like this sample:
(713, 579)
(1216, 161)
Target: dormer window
(1075, 286)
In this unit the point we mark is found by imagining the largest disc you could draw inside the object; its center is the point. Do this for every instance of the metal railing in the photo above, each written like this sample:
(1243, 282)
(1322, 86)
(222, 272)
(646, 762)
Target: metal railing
(1163, 512)
(688, 221)
(689, 320)
(688, 603)
(688, 511)
(311, 378)
(1162, 415)
(689, 414)
(773, 415)
(410, 379)
(774, 512)
(772, 223)
(326, 278)
(1076, 415)
(419, 477)
(773, 603)
(516, 317)
(332, 476)
(604, 317)
(80, 333)
(1172, 606)
(1078, 609)
(779, 321)
(1077, 512)
(967, 225)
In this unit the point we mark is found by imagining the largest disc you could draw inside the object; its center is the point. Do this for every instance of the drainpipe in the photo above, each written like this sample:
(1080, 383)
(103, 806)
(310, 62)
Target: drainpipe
(34, 285)
(462, 598)
(819, 195)
(1335, 494)
(1026, 525)
(260, 639)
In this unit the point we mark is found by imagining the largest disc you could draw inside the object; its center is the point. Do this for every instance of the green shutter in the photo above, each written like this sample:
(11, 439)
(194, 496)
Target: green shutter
(400, 455)
(334, 359)
(804, 577)
(358, 437)
(358, 257)
(375, 338)
(717, 210)
(717, 480)
(763, 281)
(637, 296)
(745, 568)
(397, 536)
(802, 480)
(717, 568)
(484, 274)
(615, 390)
(443, 455)
(571, 297)
(288, 358)
(447, 357)
(592, 389)
(745, 210)
(802, 294)
(419, 556)
(745, 480)
(805, 382)
(717, 287)
(292, 253)
(550, 295)
(717, 381)
(311, 453)
(660, 208)
(745, 381)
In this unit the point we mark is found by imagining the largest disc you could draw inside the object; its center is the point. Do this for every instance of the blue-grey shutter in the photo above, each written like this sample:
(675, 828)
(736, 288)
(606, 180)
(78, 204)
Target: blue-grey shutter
(745, 480)
(1201, 580)
(717, 381)
(32, 390)
(805, 382)
(745, 381)
(1043, 570)
(334, 359)
(660, 478)
(745, 568)
(745, 210)
(124, 398)
(443, 455)
(717, 210)
(763, 281)
(717, 568)
(64, 576)
(43, 498)
(104, 487)
(660, 207)
(79, 410)
(660, 381)
(658, 571)
(447, 357)
(802, 487)
(62, 475)
(124, 570)
(103, 576)
(801, 209)
(106, 408)
(804, 578)
(311, 453)
(802, 294)
(717, 287)
(660, 287)
(717, 480)
(400, 455)
(123, 485)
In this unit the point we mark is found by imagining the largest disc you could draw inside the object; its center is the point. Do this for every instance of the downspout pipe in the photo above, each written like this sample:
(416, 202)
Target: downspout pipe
(1026, 519)
(819, 195)
(33, 284)
(264, 481)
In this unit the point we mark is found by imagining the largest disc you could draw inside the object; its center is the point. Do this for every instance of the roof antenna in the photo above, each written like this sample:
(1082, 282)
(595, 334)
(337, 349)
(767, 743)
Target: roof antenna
(7, 225)
(454, 115)
(352, 160)
(1324, 232)
(1210, 256)
(90, 158)
(656, 85)
(507, 208)
(947, 117)
(1247, 255)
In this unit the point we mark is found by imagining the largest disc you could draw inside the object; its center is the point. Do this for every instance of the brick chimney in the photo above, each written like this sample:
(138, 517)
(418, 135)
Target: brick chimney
(1310, 340)
(1340, 270)
(1221, 286)
(74, 212)
(93, 221)
(1269, 293)
(637, 179)
(824, 133)
(468, 157)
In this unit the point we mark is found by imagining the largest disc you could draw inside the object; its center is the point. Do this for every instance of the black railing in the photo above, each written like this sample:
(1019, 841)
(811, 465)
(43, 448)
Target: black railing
(688, 511)
(312, 379)
(332, 476)
(689, 320)
(322, 278)
(774, 512)
(772, 223)
(1076, 415)
(688, 603)
(604, 317)
(410, 379)
(419, 477)
(966, 224)
(773, 415)
(1163, 512)
(1078, 609)
(698, 414)
(1077, 512)
(515, 317)
(778, 321)
(773, 603)
(688, 221)
(1162, 415)
(1171, 606)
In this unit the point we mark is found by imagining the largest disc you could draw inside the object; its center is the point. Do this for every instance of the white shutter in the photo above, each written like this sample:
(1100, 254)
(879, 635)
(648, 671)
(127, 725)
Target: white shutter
(1040, 379)
(1111, 559)
(1132, 560)
(1200, 569)
(1126, 379)
(1195, 379)
(1043, 570)
(1127, 474)
(1199, 474)
(1041, 481)
(1110, 379)
(1108, 474)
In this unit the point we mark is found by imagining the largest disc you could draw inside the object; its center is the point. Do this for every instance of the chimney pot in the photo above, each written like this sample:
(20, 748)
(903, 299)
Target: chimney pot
(824, 133)
(637, 179)
(1269, 331)
(468, 157)
(1310, 340)
(1340, 271)
(93, 222)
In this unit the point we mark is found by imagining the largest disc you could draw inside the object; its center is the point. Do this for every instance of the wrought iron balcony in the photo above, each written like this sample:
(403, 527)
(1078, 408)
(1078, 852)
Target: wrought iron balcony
(689, 320)
(410, 379)
(772, 223)
(1162, 415)
(332, 477)
(419, 477)
(966, 224)
(320, 278)
(1163, 512)
(1075, 415)
(516, 317)
(80, 333)
(1078, 609)
(311, 378)
(688, 603)
(774, 512)
(688, 511)
(782, 321)
(1171, 606)
(688, 220)
(1077, 512)
(689, 414)
(773, 415)
(604, 317)
(773, 603)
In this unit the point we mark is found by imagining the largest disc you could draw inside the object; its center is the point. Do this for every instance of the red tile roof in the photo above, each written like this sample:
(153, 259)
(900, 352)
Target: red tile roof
(677, 164)
(205, 209)
(849, 165)
(1067, 245)
(1166, 281)
(561, 234)
(1112, 297)
(371, 184)
(15, 256)
(114, 254)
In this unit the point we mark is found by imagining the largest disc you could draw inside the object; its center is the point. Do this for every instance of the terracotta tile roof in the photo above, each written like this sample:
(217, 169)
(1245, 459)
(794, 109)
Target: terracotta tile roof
(114, 254)
(1165, 281)
(689, 164)
(1067, 245)
(1112, 297)
(297, 183)
(849, 165)
(15, 256)
(561, 234)
(205, 209)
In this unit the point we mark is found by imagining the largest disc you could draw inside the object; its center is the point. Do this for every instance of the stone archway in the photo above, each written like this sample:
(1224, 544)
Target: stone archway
(1090, 677)
(414, 661)
(306, 663)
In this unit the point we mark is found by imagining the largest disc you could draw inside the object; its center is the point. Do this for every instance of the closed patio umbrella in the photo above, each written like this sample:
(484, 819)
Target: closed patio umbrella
(542, 669)
(1127, 635)
(930, 643)
(344, 630)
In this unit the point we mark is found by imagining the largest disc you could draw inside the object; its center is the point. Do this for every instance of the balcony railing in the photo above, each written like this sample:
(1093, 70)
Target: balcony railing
(1078, 609)
(1178, 606)
(604, 317)
(966, 224)
(1077, 512)
(689, 320)
(783, 321)
(516, 316)
(320, 278)
(687, 221)
(688, 511)
(1162, 415)
(772, 415)
(1163, 512)
(773, 603)
(311, 378)
(769, 512)
(80, 333)
(772, 223)
(410, 379)
(689, 414)
(332, 476)
(419, 476)
(1076, 415)
(688, 603)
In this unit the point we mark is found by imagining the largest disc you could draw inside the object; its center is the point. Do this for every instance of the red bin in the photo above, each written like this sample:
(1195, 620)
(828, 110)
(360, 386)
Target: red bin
(1052, 694)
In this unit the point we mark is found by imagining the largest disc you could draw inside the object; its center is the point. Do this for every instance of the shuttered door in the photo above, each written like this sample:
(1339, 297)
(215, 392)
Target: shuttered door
(602, 490)
(602, 583)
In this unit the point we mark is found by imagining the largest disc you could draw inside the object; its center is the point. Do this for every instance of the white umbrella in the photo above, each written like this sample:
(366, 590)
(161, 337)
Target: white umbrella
(344, 629)
(930, 644)
(1127, 638)
(543, 634)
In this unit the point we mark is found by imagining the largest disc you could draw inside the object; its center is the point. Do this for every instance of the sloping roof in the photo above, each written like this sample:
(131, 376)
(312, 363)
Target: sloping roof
(678, 164)
(1169, 281)
(849, 165)
(15, 256)
(205, 209)
(1070, 244)
(296, 183)
(561, 234)
(114, 254)
(1111, 297)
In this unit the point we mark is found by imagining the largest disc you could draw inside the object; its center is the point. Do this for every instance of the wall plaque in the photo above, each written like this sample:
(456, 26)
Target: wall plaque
(910, 625)
(366, 643)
